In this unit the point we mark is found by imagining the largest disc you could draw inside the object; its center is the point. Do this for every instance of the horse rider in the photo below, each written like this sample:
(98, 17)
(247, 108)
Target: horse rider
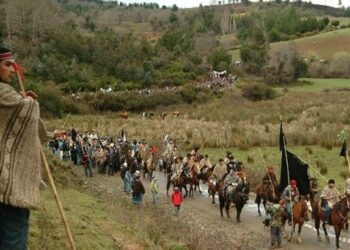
(228, 156)
(328, 198)
(205, 163)
(347, 186)
(195, 153)
(230, 162)
(176, 169)
(231, 181)
(291, 195)
(269, 178)
(219, 171)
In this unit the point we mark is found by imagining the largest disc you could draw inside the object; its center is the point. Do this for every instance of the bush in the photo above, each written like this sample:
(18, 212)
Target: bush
(258, 92)
(323, 170)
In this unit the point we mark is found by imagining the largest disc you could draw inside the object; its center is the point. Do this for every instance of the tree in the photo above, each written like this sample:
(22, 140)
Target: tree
(173, 18)
(219, 59)
(335, 23)
(174, 8)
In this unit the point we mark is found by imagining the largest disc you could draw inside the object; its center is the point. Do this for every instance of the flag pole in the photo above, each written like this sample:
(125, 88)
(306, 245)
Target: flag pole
(268, 174)
(51, 181)
(287, 164)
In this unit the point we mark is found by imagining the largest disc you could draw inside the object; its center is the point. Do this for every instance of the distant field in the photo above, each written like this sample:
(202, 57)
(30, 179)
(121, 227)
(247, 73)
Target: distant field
(318, 85)
(320, 156)
(326, 45)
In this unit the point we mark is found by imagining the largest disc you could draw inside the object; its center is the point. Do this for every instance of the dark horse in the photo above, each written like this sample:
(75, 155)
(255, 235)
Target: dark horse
(181, 182)
(240, 196)
(338, 218)
(266, 192)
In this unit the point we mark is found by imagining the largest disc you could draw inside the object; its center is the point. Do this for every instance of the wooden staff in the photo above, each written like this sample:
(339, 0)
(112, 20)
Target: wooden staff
(51, 181)
(316, 171)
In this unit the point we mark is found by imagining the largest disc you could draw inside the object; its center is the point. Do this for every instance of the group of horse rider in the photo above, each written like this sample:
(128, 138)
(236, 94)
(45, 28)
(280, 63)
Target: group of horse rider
(291, 195)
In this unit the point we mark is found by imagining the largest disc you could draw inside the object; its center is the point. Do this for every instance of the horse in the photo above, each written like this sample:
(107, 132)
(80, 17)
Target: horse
(124, 115)
(240, 197)
(149, 166)
(213, 187)
(181, 182)
(338, 218)
(299, 211)
(266, 192)
(193, 180)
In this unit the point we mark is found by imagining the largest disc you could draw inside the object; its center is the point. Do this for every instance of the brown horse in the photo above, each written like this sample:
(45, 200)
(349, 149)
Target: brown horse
(193, 180)
(299, 211)
(338, 218)
(213, 187)
(181, 182)
(264, 193)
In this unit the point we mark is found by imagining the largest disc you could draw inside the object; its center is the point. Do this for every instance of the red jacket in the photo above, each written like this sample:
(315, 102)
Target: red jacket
(176, 198)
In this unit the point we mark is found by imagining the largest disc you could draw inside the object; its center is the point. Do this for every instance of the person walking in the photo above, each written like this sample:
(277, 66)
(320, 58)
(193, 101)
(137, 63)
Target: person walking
(154, 190)
(275, 211)
(138, 191)
(176, 199)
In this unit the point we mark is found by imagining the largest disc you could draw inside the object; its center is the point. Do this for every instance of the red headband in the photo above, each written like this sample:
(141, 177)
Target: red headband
(6, 55)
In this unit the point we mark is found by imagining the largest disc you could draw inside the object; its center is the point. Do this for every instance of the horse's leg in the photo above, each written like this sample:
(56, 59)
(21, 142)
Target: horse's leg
(199, 188)
(258, 201)
(337, 230)
(213, 197)
(292, 232)
(222, 204)
(239, 210)
(228, 203)
(325, 231)
(317, 226)
(185, 187)
(167, 187)
(299, 231)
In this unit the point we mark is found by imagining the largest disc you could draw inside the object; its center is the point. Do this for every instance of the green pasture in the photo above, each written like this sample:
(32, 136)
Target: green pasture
(317, 85)
(326, 44)
(320, 158)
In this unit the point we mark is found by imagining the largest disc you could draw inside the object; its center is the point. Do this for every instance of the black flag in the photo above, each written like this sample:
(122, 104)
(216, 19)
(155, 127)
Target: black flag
(283, 141)
(297, 171)
(344, 149)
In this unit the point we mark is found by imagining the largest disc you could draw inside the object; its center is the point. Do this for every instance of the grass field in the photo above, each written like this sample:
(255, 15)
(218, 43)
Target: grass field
(320, 159)
(318, 85)
(326, 45)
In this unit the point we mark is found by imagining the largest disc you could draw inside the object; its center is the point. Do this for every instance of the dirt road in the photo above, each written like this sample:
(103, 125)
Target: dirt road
(250, 234)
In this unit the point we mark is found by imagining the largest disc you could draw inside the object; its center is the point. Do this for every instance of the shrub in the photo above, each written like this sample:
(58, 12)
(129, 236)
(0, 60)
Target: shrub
(323, 170)
(250, 159)
(258, 92)
(345, 174)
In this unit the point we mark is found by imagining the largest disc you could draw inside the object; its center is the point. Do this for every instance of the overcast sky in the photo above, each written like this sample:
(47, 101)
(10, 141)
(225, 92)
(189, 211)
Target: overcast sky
(195, 3)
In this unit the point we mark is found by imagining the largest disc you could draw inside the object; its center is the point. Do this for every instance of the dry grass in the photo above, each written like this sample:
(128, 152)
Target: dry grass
(232, 121)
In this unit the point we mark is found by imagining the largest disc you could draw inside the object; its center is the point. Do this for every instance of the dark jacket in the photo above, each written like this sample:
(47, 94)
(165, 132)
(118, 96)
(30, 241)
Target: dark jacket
(138, 188)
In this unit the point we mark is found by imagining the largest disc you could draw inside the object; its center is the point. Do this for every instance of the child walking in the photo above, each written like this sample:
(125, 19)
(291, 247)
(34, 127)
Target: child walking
(176, 199)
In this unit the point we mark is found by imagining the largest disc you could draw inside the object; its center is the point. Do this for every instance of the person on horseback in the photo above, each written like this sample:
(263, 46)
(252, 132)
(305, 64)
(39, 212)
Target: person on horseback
(205, 164)
(176, 169)
(269, 177)
(219, 171)
(347, 186)
(290, 195)
(231, 181)
(328, 198)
